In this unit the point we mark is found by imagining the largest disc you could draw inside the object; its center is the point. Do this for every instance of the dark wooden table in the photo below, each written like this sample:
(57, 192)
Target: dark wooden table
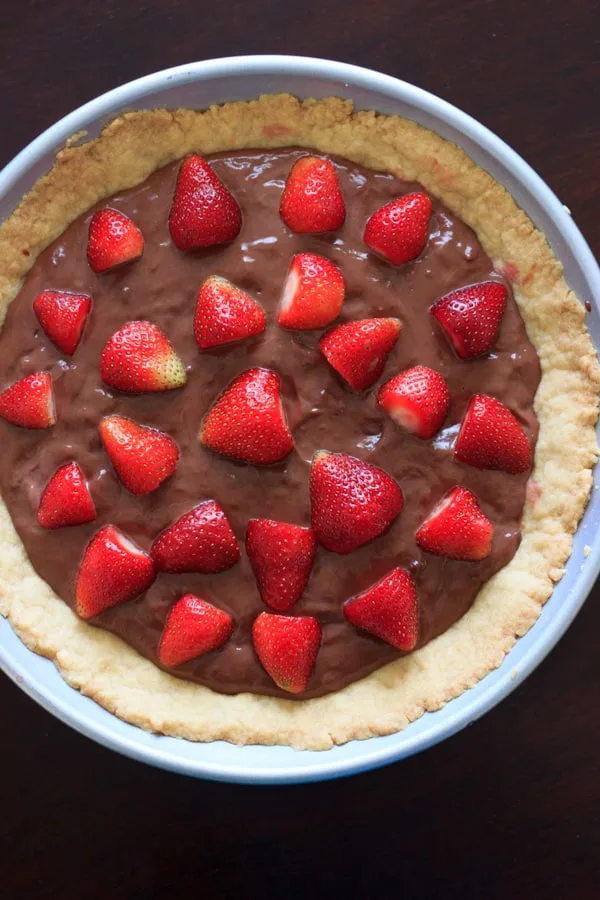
(511, 806)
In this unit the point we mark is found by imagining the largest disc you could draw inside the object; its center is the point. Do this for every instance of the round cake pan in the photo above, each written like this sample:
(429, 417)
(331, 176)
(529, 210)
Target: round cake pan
(238, 78)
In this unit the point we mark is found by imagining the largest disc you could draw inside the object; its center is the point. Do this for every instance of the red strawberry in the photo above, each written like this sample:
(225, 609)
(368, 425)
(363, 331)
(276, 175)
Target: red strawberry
(282, 557)
(143, 457)
(471, 317)
(113, 240)
(63, 317)
(312, 201)
(247, 421)
(200, 541)
(457, 528)
(139, 357)
(224, 313)
(287, 648)
(313, 293)
(490, 437)
(114, 570)
(352, 502)
(204, 213)
(193, 627)
(399, 230)
(388, 610)
(30, 402)
(418, 399)
(66, 499)
(358, 351)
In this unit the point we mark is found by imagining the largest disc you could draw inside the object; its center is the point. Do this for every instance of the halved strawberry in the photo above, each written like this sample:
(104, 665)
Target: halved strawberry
(66, 499)
(193, 627)
(312, 201)
(313, 293)
(247, 420)
(388, 609)
(352, 501)
(358, 351)
(113, 570)
(399, 230)
(139, 357)
(200, 541)
(490, 437)
(471, 316)
(282, 557)
(63, 316)
(113, 240)
(287, 648)
(204, 213)
(143, 457)
(417, 399)
(457, 528)
(30, 402)
(224, 313)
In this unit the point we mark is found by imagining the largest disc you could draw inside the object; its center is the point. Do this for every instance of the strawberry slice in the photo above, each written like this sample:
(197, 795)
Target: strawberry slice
(388, 609)
(114, 570)
(30, 402)
(313, 293)
(352, 502)
(66, 499)
(457, 528)
(399, 230)
(358, 351)
(287, 648)
(200, 541)
(471, 316)
(282, 557)
(193, 627)
(490, 437)
(247, 421)
(204, 213)
(113, 240)
(312, 201)
(143, 457)
(224, 314)
(63, 316)
(417, 399)
(139, 357)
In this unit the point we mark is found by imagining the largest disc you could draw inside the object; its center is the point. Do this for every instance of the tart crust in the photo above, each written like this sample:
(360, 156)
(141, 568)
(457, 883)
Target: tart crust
(101, 665)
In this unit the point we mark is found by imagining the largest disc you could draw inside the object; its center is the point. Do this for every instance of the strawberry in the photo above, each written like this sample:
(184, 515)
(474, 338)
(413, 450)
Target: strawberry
(113, 240)
(490, 437)
(388, 609)
(63, 316)
(352, 501)
(313, 293)
(358, 351)
(200, 541)
(312, 201)
(66, 499)
(193, 627)
(114, 570)
(470, 317)
(204, 213)
(282, 557)
(399, 230)
(143, 457)
(457, 528)
(418, 399)
(247, 420)
(224, 313)
(30, 402)
(139, 357)
(287, 648)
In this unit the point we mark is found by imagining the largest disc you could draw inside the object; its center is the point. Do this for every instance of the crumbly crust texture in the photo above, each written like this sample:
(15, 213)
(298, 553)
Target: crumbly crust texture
(101, 665)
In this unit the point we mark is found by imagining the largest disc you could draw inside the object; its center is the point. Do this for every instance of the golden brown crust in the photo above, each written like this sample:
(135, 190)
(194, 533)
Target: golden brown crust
(101, 665)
